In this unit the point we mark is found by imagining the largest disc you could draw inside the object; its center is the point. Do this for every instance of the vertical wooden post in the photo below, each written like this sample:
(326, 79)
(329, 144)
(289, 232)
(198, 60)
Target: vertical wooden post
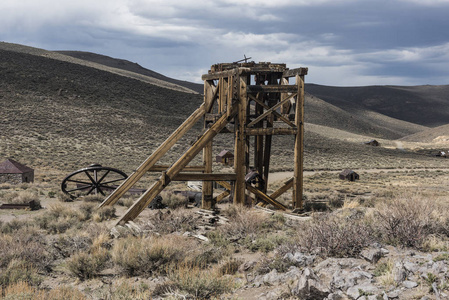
(207, 198)
(240, 145)
(299, 144)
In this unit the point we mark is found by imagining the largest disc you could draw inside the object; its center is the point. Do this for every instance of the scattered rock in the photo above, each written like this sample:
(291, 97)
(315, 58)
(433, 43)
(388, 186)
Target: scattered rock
(399, 273)
(409, 284)
(372, 254)
(300, 259)
(364, 289)
(310, 287)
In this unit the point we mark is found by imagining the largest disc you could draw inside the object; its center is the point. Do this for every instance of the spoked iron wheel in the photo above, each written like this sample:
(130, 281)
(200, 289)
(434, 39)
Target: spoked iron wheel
(92, 180)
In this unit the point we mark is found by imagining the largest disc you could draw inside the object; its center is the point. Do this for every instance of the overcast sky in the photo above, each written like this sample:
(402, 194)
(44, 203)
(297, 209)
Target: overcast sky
(342, 42)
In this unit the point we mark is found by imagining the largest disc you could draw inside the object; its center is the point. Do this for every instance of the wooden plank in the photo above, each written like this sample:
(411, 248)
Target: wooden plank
(295, 72)
(281, 117)
(160, 168)
(154, 157)
(270, 131)
(175, 169)
(299, 145)
(207, 190)
(240, 147)
(270, 110)
(224, 184)
(222, 74)
(210, 94)
(287, 185)
(265, 197)
(271, 89)
(205, 177)
(222, 196)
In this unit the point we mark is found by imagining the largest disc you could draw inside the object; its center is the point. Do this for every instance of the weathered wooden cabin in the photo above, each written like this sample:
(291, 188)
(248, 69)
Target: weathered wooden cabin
(225, 157)
(349, 175)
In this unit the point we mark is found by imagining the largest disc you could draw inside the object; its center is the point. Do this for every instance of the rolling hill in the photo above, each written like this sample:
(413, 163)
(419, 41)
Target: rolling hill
(424, 105)
(64, 112)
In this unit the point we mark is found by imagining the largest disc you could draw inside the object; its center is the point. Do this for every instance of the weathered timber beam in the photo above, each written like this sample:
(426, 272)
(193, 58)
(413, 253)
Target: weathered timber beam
(175, 169)
(160, 168)
(270, 131)
(265, 197)
(210, 94)
(287, 185)
(154, 157)
(224, 184)
(294, 72)
(204, 176)
(281, 117)
(271, 88)
(221, 196)
(269, 111)
(217, 75)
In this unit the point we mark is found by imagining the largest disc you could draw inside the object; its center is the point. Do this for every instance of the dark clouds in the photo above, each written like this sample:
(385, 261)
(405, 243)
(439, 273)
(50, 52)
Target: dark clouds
(343, 42)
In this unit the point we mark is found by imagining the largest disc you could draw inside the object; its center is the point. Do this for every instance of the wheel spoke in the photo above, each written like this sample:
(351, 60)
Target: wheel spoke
(111, 181)
(90, 191)
(79, 188)
(102, 177)
(79, 181)
(90, 177)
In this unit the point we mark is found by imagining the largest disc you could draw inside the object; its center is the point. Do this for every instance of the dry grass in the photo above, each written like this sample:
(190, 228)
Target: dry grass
(25, 291)
(146, 256)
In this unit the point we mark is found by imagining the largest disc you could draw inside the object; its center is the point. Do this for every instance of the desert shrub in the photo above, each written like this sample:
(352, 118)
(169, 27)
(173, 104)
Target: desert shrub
(199, 283)
(63, 197)
(126, 289)
(138, 256)
(244, 222)
(19, 271)
(406, 220)
(59, 218)
(266, 243)
(330, 235)
(230, 266)
(24, 246)
(86, 209)
(173, 200)
(85, 265)
(24, 291)
(14, 225)
(93, 198)
(179, 220)
(104, 213)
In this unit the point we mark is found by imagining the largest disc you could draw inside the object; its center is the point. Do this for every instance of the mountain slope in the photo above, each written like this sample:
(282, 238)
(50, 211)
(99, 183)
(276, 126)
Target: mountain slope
(366, 122)
(431, 135)
(424, 105)
(129, 66)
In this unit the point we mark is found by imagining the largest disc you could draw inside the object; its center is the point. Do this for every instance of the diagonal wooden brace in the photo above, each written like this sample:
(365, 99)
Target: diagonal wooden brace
(177, 167)
(154, 157)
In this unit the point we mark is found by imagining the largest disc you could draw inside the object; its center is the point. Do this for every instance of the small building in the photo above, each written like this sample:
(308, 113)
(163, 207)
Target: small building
(15, 173)
(442, 154)
(349, 175)
(372, 143)
(225, 157)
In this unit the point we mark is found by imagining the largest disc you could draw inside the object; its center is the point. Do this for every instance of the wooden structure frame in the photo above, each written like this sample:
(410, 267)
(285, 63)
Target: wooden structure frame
(252, 100)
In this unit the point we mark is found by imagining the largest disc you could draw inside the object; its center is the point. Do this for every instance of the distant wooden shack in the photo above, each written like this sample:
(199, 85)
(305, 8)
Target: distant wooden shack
(349, 175)
(442, 154)
(225, 157)
(15, 173)
(372, 143)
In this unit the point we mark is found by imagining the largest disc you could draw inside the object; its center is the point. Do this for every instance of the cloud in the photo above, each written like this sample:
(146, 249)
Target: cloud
(341, 41)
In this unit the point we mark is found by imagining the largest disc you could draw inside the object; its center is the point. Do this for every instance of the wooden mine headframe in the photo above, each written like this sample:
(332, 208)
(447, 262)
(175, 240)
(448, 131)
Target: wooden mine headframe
(251, 100)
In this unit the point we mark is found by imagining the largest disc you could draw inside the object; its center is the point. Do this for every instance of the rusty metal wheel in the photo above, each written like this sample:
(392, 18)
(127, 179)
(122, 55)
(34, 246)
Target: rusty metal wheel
(94, 179)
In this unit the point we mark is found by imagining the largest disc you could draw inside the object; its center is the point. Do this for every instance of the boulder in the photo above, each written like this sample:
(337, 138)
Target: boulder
(309, 286)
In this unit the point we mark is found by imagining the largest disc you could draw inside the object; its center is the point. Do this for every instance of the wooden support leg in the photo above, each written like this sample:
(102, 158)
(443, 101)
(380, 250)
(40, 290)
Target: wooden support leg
(299, 145)
(207, 195)
(174, 170)
(240, 147)
(154, 157)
